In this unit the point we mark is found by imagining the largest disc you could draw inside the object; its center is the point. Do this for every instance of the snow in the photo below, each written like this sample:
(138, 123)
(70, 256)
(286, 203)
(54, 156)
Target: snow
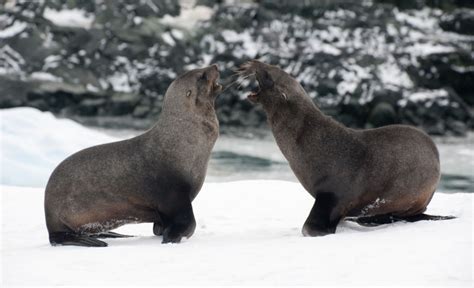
(189, 17)
(248, 233)
(33, 143)
(428, 97)
(13, 30)
(69, 17)
(390, 73)
(45, 76)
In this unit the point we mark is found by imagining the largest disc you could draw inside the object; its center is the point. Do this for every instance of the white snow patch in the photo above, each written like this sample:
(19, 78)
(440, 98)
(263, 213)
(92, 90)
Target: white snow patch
(424, 49)
(189, 17)
(421, 19)
(390, 73)
(352, 74)
(248, 233)
(69, 17)
(45, 76)
(33, 143)
(249, 46)
(168, 39)
(11, 61)
(13, 30)
(317, 46)
(428, 97)
(120, 82)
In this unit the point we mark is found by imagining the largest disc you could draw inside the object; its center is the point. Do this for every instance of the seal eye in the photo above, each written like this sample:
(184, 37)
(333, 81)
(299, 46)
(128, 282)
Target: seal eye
(188, 93)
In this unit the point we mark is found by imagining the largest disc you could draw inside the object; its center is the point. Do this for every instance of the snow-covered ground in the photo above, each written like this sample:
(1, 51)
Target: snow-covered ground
(248, 232)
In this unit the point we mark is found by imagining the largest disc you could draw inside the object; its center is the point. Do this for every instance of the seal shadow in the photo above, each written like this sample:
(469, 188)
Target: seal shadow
(349, 226)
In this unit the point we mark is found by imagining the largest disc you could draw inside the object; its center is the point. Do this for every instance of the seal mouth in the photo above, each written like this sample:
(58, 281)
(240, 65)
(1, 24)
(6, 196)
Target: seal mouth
(216, 87)
(249, 70)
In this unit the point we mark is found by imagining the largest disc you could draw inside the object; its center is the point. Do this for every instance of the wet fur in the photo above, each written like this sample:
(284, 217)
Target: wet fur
(149, 178)
(360, 173)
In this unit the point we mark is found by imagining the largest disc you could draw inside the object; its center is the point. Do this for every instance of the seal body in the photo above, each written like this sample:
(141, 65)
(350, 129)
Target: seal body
(153, 177)
(376, 175)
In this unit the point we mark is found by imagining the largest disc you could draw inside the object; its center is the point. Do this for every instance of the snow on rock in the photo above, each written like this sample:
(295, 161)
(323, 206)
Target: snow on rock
(248, 233)
(33, 143)
(14, 29)
(428, 97)
(69, 17)
(45, 77)
(188, 18)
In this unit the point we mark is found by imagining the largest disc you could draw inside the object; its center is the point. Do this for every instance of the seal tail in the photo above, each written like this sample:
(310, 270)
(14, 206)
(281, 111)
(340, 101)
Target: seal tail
(387, 219)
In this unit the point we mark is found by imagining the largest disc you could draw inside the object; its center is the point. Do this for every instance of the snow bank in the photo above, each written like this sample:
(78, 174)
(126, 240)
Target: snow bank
(33, 143)
(247, 233)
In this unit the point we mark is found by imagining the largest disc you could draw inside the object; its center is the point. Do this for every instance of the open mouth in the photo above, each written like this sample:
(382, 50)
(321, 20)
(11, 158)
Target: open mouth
(216, 87)
(253, 96)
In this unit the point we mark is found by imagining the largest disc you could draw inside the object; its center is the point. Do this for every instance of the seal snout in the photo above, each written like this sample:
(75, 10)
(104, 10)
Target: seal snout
(260, 71)
(213, 76)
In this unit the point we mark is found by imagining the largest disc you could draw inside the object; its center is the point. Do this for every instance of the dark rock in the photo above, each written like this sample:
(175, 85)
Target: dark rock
(460, 21)
(382, 114)
(458, 128)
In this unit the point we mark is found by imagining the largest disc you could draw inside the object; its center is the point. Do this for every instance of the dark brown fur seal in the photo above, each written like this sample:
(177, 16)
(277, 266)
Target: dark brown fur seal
(377, 175)
(153, 177)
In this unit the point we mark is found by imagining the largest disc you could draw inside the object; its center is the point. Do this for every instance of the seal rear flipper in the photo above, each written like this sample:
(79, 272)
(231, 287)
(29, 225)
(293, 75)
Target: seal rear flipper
(109, 234)
(377, 220)
(68, 238)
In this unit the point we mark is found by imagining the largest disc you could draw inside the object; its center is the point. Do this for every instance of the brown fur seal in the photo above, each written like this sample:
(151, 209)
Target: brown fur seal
(378, 175)
(153, 177)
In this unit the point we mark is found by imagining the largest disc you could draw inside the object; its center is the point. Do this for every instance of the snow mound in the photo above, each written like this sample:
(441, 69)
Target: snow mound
(248, 233)
(33, 143)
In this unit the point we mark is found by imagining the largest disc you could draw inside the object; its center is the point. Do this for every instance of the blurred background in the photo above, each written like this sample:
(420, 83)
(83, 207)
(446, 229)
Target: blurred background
(107, 64)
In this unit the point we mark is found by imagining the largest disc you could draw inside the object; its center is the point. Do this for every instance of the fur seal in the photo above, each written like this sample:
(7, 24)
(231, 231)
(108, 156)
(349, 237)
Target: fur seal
(377, 175)
(153, 177)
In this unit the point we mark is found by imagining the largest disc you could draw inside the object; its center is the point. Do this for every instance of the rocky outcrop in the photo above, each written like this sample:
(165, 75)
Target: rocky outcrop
(367, 64)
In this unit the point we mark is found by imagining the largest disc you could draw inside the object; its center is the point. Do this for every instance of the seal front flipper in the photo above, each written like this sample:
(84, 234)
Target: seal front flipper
(69, 238)
(158, 228)
(182, 224)
(324, 216)
(109, 234)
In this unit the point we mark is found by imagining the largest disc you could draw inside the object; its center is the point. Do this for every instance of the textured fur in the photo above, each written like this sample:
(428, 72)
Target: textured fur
(150, 178)
(386, 171)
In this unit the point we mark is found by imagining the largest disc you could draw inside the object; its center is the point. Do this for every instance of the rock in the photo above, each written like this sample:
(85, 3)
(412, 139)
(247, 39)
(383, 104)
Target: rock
(460, 21)
(359, 62)
(458, 128)
(141, 111)
(90, 107)
(382, 114)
